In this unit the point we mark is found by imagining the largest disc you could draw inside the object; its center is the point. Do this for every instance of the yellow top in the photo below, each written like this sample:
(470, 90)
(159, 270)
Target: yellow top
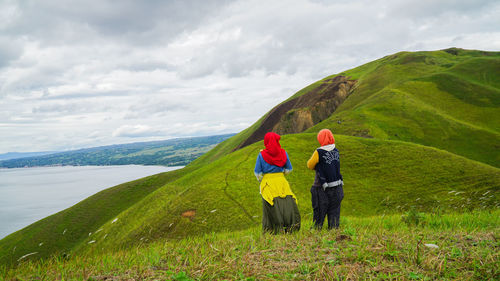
(275, 185)
(311, 163)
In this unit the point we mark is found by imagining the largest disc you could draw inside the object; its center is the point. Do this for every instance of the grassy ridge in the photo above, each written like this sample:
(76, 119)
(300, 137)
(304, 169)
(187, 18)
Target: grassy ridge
(381, 177)
(375, 248)
(436, 99)
(454, 91)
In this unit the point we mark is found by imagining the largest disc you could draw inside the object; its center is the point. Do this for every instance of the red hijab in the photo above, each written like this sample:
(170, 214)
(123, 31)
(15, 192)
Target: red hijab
(273, 154)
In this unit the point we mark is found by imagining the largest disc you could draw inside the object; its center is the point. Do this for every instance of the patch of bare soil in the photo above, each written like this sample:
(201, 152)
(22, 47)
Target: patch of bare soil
(343, 237)
(301, 113)
(189, 214)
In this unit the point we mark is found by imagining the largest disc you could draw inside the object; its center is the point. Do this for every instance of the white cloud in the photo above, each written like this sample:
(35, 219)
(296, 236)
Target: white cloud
(86, 73)
(134, 131)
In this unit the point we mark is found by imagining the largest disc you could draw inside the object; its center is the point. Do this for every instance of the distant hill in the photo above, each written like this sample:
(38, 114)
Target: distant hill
(173, 152)
(17, 155)
(415, 130)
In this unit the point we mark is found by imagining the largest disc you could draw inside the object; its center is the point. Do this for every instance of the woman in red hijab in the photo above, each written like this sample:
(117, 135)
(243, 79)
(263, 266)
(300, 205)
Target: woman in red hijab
(279, 205)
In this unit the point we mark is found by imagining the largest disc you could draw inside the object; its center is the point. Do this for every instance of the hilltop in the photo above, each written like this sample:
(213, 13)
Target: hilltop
(416, 131)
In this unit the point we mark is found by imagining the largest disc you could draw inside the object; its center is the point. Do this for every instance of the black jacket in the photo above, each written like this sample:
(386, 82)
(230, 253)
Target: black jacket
(328, 167)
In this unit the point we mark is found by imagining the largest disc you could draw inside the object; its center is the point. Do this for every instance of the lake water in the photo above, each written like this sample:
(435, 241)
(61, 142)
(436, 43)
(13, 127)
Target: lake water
(30, 194)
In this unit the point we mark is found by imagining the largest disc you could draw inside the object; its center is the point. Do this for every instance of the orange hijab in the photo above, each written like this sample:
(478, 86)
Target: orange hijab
(325, 137)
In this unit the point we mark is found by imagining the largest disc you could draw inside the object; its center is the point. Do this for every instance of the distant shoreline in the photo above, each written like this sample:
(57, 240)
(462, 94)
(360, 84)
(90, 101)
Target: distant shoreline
(168, 153)
(114, 165)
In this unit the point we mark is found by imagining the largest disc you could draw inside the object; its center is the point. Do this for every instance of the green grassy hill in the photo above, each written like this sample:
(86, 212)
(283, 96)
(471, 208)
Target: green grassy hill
(381, 177)
(446, 99)
(418, 130)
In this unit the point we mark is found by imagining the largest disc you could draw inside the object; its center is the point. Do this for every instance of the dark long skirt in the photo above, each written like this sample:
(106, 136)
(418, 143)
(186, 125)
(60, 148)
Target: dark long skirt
(284, 216)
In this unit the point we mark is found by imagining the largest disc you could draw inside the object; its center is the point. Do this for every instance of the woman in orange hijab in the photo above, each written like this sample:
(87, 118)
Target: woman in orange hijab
(327, 190)
(279, 205)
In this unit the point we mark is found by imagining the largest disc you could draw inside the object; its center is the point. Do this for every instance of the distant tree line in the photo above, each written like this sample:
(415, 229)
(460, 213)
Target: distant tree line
(174, 152)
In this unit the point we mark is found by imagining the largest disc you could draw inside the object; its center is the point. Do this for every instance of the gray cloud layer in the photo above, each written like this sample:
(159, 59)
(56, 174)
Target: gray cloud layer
(86, 73)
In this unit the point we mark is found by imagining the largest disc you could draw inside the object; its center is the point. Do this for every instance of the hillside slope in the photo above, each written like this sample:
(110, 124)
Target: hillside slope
(301, 111)
(381, 177)
(61, 232)
(448, 99)
(407, 139)
(224, 195)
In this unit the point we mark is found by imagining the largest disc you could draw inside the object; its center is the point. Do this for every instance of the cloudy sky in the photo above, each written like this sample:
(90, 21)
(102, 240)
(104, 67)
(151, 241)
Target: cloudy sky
(87, 73)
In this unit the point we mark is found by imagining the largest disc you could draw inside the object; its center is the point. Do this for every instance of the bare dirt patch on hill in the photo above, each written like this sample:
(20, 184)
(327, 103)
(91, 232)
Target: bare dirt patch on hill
(301, 113)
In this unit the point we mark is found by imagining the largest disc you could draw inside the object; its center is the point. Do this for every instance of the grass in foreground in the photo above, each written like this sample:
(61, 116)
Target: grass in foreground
(381, 247)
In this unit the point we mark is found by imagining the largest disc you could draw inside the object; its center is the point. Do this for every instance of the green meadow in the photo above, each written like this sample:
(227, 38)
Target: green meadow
(419, 143)
(440, 247)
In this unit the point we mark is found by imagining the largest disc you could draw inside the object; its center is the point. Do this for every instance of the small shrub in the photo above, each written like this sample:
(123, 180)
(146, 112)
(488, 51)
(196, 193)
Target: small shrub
(413, 217)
